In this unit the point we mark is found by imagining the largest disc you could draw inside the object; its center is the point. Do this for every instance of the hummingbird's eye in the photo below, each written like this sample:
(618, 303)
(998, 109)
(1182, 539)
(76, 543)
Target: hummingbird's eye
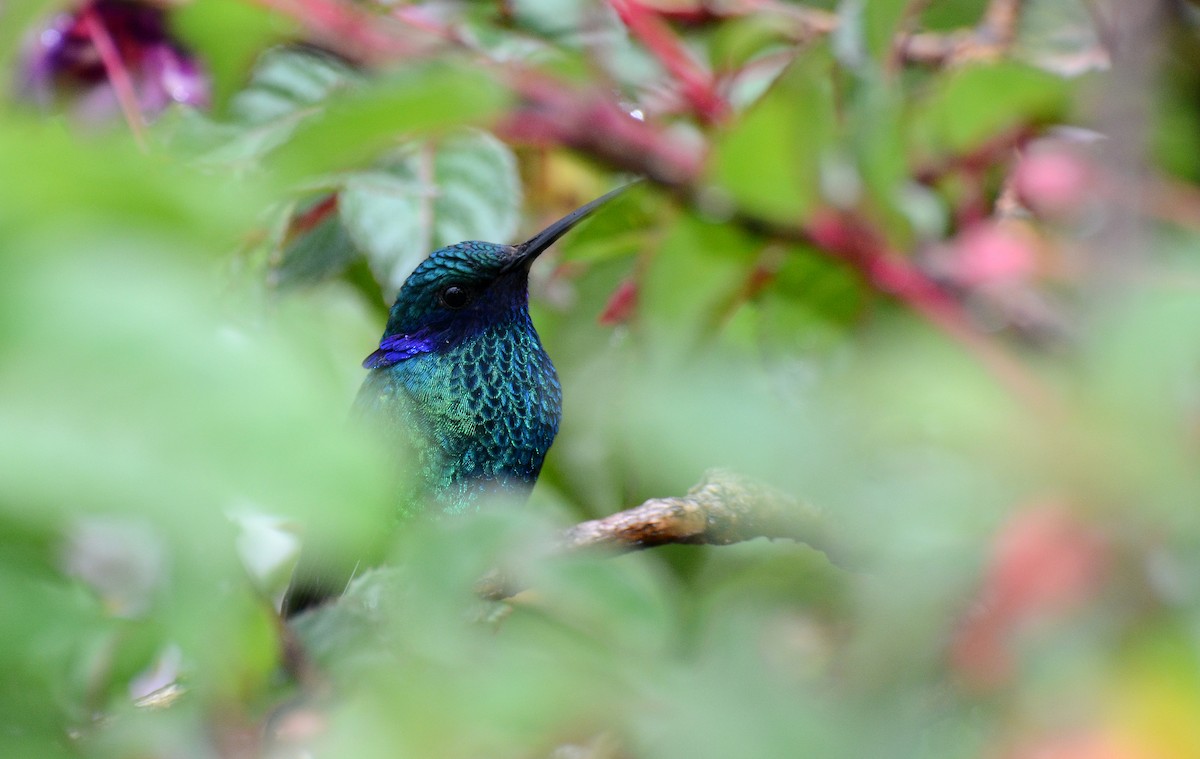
(455, 297)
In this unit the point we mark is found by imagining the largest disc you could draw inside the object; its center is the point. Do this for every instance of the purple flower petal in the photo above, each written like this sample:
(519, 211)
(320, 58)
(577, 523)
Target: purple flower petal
(61, 61)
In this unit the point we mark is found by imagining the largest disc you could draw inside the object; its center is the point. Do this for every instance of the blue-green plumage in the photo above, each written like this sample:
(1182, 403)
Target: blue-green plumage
(460, 387)
(482, 405)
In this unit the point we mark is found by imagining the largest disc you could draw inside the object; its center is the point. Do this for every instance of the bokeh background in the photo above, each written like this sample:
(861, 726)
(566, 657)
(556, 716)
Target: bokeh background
(930, 268)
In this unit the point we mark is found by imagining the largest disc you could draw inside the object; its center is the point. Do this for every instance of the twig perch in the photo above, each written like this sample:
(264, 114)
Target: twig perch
(722, 509)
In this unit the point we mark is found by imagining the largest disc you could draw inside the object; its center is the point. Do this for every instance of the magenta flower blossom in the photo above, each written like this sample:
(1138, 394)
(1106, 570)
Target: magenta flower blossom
(108, 55)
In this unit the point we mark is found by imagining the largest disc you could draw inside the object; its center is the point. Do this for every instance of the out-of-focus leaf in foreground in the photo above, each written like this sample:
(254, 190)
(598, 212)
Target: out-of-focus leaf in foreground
(133, 391)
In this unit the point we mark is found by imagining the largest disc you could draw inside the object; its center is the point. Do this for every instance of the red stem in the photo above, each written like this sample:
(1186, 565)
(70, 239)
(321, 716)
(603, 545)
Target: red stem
(553, 113)
(312, 217)
(696, 84)
(621, 304)
(118, 74)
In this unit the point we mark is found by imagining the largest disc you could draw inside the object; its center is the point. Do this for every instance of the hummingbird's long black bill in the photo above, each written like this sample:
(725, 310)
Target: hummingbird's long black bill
(534, 246)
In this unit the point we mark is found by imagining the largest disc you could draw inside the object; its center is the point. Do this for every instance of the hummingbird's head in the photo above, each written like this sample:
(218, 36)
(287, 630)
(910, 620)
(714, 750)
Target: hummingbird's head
(463, 288)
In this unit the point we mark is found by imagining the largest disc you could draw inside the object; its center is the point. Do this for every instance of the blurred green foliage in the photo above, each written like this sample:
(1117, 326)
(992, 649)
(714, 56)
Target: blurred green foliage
(181, 328)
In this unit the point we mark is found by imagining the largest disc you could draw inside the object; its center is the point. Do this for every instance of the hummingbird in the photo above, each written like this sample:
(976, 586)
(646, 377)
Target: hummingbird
(460, 386)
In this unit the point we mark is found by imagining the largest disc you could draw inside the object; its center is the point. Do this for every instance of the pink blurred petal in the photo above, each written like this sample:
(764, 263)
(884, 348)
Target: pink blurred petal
(993, 253)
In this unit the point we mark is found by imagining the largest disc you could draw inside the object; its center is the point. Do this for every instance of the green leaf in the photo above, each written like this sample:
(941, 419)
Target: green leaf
(321, 253)
(971, 105)
(867, 29)
(948, 15)
(44, 635)
(882, 22)
(810, 304)
(877, 139)
(227, 35)
(287, 86)
(287, 80)
(691, 281)
(741, 40)
(431, 194)
(1175, 130)
(357, 125)
(65, 182)
(770, 158)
